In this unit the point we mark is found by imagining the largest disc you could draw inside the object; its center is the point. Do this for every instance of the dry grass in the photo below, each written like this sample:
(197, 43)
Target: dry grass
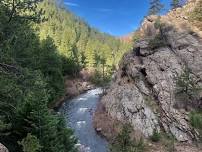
(101, 120)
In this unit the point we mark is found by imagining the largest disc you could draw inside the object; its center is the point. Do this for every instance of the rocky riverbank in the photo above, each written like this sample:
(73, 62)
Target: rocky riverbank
(75, 86)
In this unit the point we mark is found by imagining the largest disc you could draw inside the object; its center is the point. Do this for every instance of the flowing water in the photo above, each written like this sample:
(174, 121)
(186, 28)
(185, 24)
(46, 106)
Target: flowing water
(78, 113)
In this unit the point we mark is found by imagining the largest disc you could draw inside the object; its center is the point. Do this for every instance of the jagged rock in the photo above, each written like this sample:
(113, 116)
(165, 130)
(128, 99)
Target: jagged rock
(98, 129)
(147, 28)
(82, 148)
(123, 108)
(147, 76)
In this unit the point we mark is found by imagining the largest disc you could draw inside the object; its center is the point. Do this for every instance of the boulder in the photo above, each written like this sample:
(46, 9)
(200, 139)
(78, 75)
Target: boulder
(3, 148)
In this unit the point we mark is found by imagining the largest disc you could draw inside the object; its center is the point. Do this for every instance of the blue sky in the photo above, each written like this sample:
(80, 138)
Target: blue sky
(116, 17)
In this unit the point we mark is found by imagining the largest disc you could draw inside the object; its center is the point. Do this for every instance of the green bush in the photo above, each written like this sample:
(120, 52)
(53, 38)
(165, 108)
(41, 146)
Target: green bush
(124, 143)
(196, 121)
(69, 67)
(99, 80)
(160, 40)
(187, 89)
(196, 15)
(156, 136)
(157, 42)
(168, 140)
(198, 11)
(136, 37)
(30, 144)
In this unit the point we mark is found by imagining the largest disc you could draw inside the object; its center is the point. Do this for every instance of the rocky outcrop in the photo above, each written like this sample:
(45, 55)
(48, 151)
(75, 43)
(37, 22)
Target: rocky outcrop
(143, 90)
(179, 18)
(125, 103)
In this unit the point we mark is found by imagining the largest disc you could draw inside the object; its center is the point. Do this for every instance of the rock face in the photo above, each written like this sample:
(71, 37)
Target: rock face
(142, 92)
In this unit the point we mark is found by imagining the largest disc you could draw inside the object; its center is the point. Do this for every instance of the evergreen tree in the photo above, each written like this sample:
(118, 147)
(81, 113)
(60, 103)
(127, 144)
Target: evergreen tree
(83, 60)
(123, 142)
(30, 77)
(175, 4)
(75, 39)
(16, 9)
(30, 144)
(155, 7)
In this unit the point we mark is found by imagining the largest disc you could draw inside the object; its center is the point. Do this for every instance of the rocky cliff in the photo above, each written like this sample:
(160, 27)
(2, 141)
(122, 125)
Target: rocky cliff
(143, 89)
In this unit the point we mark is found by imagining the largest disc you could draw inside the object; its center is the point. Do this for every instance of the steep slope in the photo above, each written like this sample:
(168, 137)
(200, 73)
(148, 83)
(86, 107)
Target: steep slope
(30, 78)
(143, 92)
(75, 38)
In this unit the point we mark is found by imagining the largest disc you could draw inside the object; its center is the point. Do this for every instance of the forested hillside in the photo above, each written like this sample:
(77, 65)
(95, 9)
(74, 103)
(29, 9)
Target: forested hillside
(30, 77)
(38, 46)
(77, 40)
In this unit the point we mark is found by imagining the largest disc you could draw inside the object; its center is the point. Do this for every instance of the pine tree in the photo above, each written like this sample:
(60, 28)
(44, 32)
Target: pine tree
(175, 4)
(30, 144)
(187, 90)
(155, 7)
(123, 142)
(18, 8)
(30, 77)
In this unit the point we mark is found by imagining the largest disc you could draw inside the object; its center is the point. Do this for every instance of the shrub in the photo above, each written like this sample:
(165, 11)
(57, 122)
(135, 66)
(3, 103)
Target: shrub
(198, 11)
(69, 67)
(139, 146)
(99, 80)
(187, 89)
(196, 121)
(196, 15)
(156, 136)
(168, 140)
(158, 24)
(124, 143)
(136, 37)
(158, 42)
(30, 144)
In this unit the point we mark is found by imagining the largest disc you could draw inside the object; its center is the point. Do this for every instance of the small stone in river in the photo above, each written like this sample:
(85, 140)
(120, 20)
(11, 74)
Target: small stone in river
(98, 129)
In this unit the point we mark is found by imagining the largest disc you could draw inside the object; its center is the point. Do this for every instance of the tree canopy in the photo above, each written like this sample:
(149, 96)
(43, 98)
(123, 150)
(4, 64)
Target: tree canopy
(175, 4)
(75, 39)
(30, 77)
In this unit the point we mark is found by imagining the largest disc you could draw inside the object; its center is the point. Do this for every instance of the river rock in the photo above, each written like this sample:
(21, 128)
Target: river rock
(98, 129)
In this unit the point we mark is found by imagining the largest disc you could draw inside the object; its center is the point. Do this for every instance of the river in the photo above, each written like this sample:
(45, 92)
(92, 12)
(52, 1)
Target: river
(79, 113)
